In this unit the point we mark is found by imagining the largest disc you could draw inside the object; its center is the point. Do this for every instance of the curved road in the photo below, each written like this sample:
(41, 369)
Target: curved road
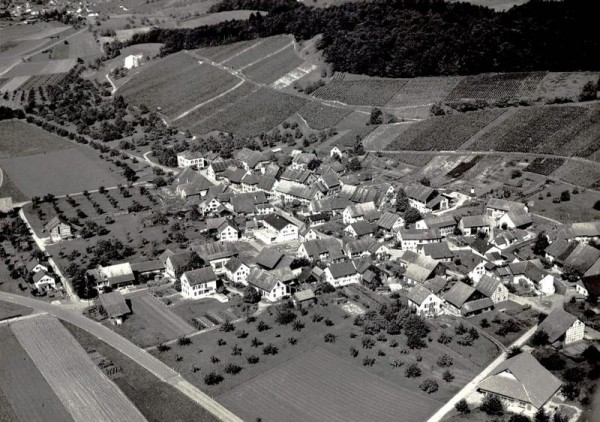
(143, 358)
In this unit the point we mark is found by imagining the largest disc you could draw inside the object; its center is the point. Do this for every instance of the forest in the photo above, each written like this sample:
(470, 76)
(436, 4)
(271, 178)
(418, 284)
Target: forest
(408, 38)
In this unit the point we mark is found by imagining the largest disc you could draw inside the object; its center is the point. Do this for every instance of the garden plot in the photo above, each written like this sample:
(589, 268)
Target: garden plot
(263, 49)
(176, 84)
(423, 91)
(274, 67)
(367, 92)
(322, 116)
(20, 138)
(544, 166)
(291, 77)
(24, 393)
(75, 379)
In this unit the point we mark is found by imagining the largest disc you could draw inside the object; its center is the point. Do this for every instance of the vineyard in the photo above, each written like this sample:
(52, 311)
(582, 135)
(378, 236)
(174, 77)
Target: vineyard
(580, 174)
(544, 166)
(75, 379)
(223, 52)
(258, 52)
(272, 68)
(420, 91)
(369, 92)
(529, 129)
(444, 133)
(320, 116)
(176, 83)
(494, 87)
(582, 138)
(381, 137)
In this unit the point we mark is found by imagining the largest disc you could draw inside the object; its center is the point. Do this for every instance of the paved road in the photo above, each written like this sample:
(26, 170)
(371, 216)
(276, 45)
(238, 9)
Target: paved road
(143, 358)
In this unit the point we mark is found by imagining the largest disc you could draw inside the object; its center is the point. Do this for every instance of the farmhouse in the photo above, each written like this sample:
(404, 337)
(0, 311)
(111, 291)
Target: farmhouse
(190, 159)
(298, 176)
(359, 212)
(342, 274)
(562, 328)
(174, 262)
(390, 221)
(289, 192)
(424, 302)
(278, 229)
(466, 264)
(586, 232)
(359, 247)
(446, 224)
(43, 281)
(271, 258)
(360, 229)
(496, 207)
(114, 276)
(217, 254)
(199, 283)
(267, 284)
(492, 288)
(301, 160)
(329, 250)
(304, 298)
(425, 199)
(59, 229)
(228, 232)
(36, 265)
(411, 239)
(531, 274)
(237, 271)
(438, 251)
(472, 225)
(583, 257)
(332, 205)
(517, 219)
(465, 300)
(190, 183)
(521, 383)
(115, 306)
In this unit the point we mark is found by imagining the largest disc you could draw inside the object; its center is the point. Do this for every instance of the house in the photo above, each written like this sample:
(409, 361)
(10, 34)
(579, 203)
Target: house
(328, 250)
(308, 233)
(237, 271)
(521, 383)
(359, 212)
(424, 302)
(115, 306)
(298, 176)
(59, 229)
(175, 262)
(582, 258)
(133, 60)
(492, 287)
(217, 254)
(465, 300)
(466, 264)
(289, 192)
(446, 224)
(6, 205)
(267, 284)
(318, 219)
(301, 161)
(342, 274)
(359, 247)
(362, 194)
(228, 232)
(114, 276)
(559, 250)
(425, 199)
(531, 274)
(496, 207)
(390, 222)
(271, 258)
(379, 251)
(36, 265)
(200, 283)
(331, 183)
(278, 229)
(472, 225)
(438, 251)
(419, 268)
(562, 328)
(336, 151)
(43, 281)
(360, 229)
(517, 219)
(189, 184)
(411, 239)
(586, 232)
(147, 269)
(332, 205)
(304, 298)
(507, 238)
(217, 167)
(190, 159)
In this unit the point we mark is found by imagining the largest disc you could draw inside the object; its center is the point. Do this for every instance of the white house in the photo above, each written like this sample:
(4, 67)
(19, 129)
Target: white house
(492, 287)
(425, 199)
(133, 60)
(280, 228)
(342, 274)
(424, 302)
(200, 283)
(43, 281)
(562, 327)
(529, 273)
(190, 159)
(227, 232)
(471, 225)
(237, 271)
(59, 229)
(35, 266)
(267, 284)
(410, 239)
(496, 207)
(358, 212)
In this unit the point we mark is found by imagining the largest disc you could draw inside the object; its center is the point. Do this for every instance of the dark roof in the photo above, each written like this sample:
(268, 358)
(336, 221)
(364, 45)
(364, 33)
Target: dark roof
(420, 193)
(557, 323)
(114, 304)
(181, 259)
(332, 203)
(265, 183)
(387, 220)
(269, 258)
(440, 221)
(146, 266)
(439, 250)
(262, 279)
(588, 229)
(583, 257)
(417, 234)
(520, 218)
(277, 221)
(32, 264)
(477, 305)
(362, 228)
(200, 276)
(39, 275)
(367, 210)
(529, 269)
(215, 250)
(342, 269)
(316, 247)
(233, 264)
(304, 295)
(470, 221)
(418, 294)
(436, 284)
(459, 294)
(504, 205)
(55, 222)
(487, 285)
(295, 175)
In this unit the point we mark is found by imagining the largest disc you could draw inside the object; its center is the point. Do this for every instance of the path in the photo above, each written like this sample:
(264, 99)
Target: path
(141, 357)
(1, 177)
(160, 166)
(114, 87)
(471, 387)
(210, 100)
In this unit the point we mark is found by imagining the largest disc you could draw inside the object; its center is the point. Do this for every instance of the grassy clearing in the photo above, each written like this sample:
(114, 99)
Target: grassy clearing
(265, 47)
(564, 84)
(320, 116)
(522, 317)
(215, 18)
(20, 138)
(223, 52)
(579, 208)
(580, 174)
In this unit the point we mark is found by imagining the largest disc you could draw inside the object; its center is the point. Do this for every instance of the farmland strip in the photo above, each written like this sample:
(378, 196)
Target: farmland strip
(267, 56)
(242, 52)
(196, 107)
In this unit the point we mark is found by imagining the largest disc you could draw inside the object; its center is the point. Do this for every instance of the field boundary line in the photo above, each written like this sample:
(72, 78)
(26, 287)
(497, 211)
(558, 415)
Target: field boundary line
(242, 51)
(291, 44)
(222, 94)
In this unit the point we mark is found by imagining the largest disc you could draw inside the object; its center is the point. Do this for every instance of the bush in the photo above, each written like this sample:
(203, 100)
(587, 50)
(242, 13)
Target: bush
(448, 376)
(565, 196)
(396, 363)
(262, 326)
(492, 405)
(462, 407)
(554, 362)
(539, 338)
(251, 295)
(256, 342)
(298, 325)
(574, 374)
(293, 341)
(232, 369)
(570, 391)
(380, 352)
(519, 418)
(184, 341)
(227, 327)
(412, 371)
(445, 361)
(270, 350)
(541, 416)
(514, 351)
(367, 361)
(163, 348)
(429, 385)
(236, 350)
(213, 378)
(353, 352)
(221, 342)
(241, 334)
(285, 316)
(460, 329)
(367, 342)
(484, 323)
(329, 338)
(252, 359)
(250, 320)
(444, 338)
(317, 318)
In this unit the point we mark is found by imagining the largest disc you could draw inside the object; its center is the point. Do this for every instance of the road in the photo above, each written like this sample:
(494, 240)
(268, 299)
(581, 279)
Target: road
(471, 387)
(141, 357)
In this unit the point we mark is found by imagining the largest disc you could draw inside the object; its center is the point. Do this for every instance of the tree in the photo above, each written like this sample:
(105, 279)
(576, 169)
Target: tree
(251, 295)
(412, 371)
(539, 338)
(570, 391)
(571, 273)
(588, 92)
(559, 417)
(541, 416)
(425, 181)
(412, 215)
(429, 385)
(285, 316)
(448, 376)
(541, 243)
(213, 378)
(492, 405)
(462, 407)
(354, 165)
(519, 418)
(314, 164)
(376, 116)
(565, 196)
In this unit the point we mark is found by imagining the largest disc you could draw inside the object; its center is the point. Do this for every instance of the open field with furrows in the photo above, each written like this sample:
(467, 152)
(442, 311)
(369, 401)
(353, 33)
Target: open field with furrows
(215, 18)
(321, 116)
(444, 133)
(151, 322)
(368, 92)
(158, 401)
(251, 115)
(580, 174)
(223, 52)
(424, 91)
(307, 386)
(84, 390)
(530, 129)
(12, 310)
(24, 393)
(260, 50)
(250, 338)
(272, 68)
(176, 83)
(381, 137)
(495, 87)
(39, 174)
(21, 138)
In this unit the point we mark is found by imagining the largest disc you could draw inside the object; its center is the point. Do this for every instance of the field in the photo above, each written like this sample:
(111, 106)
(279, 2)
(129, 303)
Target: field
(544, 166)
(40, 68)
(564, 84)
(176, 83)
(84, 46)
(494, 87)
(580, 208)
(215, 18)
(368, 92)
(13, 84)
(321, 116)
(423, 91)
(39, 174)
(321, 386)
(272, 68)
(24, 393)
(381, 137)
(75, 379)
(523, 318)
(151, 322)
(247, 57)
(223, 52)
(258, 112)
(20, 138)
(34, 82)
(11, 310)
(158, 401)
(444, 133)
(580, 174)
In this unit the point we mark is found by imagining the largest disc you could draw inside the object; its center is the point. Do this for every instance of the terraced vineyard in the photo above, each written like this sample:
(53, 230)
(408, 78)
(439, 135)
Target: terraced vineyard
(497, 86)
(223, 52)
(258, 52)
(424, 91)
(320, 116)
(444, 133)
(368, 92)
(529, 129)
(176, 83)
(544, 166)
(272, 68)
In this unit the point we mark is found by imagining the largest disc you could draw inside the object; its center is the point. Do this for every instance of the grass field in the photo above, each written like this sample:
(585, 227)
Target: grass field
(24, 393)
(215, 18)
(381, 137)
(75, 379)
(494, 87)
(8, 188)
(157, 400)
(580, 174)
(321, 386)
(564, 84)
(34, 82)
(321, 116)
(11, 310)
(368, 92)
(20, 138)
(272, 68)
(40, 68)
(261, 49)
(36, 175)
(427, 90)
(176, 83)
(223, 52)
(580, 208)
(211, 309)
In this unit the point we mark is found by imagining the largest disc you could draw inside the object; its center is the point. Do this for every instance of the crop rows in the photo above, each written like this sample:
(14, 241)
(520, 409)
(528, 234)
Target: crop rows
(176, 84)
(43, 81)
(497, 86)
(581, 138)
(444, 133)
(529, 129)
(427, 90)
(223, 52)
(544, 166)
(319, 116)
(369, 92)
(580, 174)
(272, 68)
(263, 48)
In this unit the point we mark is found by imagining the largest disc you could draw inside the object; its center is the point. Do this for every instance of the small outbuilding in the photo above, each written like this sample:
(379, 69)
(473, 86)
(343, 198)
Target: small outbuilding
(115, 306)
(304, 298)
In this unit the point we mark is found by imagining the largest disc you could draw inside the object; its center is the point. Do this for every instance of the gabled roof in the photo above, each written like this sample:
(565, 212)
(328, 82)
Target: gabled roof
(295, 175)
(438, 250)
(329, 204)
(265, 183)
(583, 257)
(470, 221)
(359, 245)
(277, 221)
(303, 295)
(314, 248)
(417, 234)
(293, 189)
(55, 222)
(146, 266)
(262, 279)
(330, 180)
(520, 218)
(487, 285)
(368, 210)
(417, 273)
(588, 229)
(418, 294)
(114, 304)
(420, 193)
(39, 275)
(410, 257)
(362, 228)
(35, 262)
(234, 175)
(558, 247)
(269, 258)
(342, 269)
(387, 220)
(436, 284)
(117, 274)
(530, 269)
(504, 205)
(215, 250)
(477, 305)
(234, 264)
(440, 221)
(200, 276)
(459, 294)
(557, 323)
(522, 377)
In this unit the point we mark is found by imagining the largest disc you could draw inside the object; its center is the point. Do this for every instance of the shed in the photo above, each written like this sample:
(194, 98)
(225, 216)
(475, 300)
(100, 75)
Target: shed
(115, 306)
(304, 298)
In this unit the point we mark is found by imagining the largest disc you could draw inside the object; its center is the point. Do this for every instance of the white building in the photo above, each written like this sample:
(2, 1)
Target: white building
(424, 301)
(43, 281)
(237, 271)
(200, 283)
(267, 284)
(190, 159)
(279, 229)
(133, 60)
(228, 233)
(562, 328)
(342, 274)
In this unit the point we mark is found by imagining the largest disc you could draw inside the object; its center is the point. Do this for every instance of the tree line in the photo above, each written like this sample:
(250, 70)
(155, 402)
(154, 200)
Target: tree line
(408, 38)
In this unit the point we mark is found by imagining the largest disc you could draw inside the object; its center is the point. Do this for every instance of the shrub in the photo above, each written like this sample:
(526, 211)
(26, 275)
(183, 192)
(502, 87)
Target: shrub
(396, 363)
(492, 405)
(554, 362)
(444, 338)
(250, 320)
(329, 338)
(241, 334)
(412, 371)
(256, 342)
(163, 348)
(484, 323)
(380, 353)
(353, 352)
(252, 359)
(445, 361)
(285, 316)
(473, 333)
(519, 418)
(328, 322)
(393, 343)
(221, 342)
(570, 391)
(213, 378)
(429, 385)
(539, 338)
(541, 416)
(574, 374)
(460, 329)
(236, 351)
(251, 295)
(215, 359)
(227, 327)
(462, 407)
(514, 351)
(270, 350)
(184, 341)
(381, 337)
(448, 376)
(367, 342)
(298, 325)
(565, 196)
(262, 326)
(317, 318)
(232, 369)
(367, 361)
